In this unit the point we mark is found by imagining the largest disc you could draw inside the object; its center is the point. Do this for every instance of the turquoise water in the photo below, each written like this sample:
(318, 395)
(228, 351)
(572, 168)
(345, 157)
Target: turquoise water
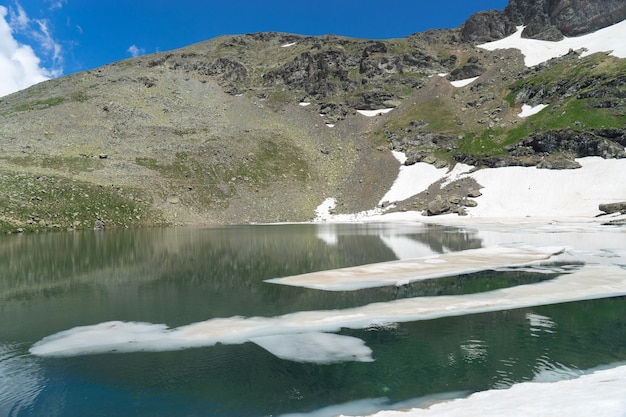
(54, 282)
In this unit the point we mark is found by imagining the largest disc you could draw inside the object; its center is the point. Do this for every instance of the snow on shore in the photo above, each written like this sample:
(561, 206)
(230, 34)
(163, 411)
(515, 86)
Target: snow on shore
(599, 393)
(609, 39)
(532, 192)
(513, 193)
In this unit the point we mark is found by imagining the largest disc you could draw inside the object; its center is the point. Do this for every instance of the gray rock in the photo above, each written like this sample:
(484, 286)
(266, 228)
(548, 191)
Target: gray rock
(610, 208)
(438, 206)
(544, 19)
(98, 225)
(558, 162)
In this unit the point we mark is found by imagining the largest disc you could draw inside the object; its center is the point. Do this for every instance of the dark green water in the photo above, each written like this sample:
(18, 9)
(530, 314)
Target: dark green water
(54, 282)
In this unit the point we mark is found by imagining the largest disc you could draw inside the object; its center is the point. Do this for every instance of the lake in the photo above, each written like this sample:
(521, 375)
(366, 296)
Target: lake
(181, 321)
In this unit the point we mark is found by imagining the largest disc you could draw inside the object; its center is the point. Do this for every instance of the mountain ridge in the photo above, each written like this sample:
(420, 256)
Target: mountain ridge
(263, 127)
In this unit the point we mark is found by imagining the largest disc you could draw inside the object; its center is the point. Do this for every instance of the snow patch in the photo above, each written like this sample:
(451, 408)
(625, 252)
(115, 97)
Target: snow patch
(322, 212)
(413, 179)
(528, 110)
(597, 393)
(372, 113)
(510, 193)
(517, 191)
(609, 39)
(287, 45)
(463, 83)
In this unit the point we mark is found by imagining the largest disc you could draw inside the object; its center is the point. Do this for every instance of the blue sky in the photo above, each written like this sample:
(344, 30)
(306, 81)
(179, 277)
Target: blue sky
(49, 38)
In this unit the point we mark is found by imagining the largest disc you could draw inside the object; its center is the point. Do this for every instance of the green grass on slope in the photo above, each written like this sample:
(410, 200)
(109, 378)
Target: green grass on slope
(571, 88)
(43, 202)
(212, 182)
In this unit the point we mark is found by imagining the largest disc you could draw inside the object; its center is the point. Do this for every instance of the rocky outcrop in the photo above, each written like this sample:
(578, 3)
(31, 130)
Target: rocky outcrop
(318, 74)
(544, 19)
(610, 208)
(578, 144)
(469, 70)
(555, 149)
(487, 26)
(440, 198)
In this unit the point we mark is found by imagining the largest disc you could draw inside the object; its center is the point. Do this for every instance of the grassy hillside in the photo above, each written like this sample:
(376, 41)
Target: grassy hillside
(216, 133)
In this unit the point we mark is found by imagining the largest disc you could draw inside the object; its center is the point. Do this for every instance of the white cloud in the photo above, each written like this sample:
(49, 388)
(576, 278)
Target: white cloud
(56, 4)
(19, 19)
(20, 67)
(135, 51)
(45, 40)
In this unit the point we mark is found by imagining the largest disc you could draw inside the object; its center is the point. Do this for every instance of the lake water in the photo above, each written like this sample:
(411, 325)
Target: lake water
(174, 277)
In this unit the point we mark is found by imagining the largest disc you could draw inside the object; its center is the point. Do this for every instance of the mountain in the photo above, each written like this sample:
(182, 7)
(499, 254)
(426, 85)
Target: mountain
(264, 127)
(544, 19)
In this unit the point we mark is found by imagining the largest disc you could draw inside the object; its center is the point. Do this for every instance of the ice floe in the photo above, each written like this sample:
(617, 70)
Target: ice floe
(322, 348)
(588, 282)
(409, 270)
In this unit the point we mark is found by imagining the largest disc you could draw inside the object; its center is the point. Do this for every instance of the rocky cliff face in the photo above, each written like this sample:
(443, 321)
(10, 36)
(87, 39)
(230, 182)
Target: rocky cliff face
(544, 19)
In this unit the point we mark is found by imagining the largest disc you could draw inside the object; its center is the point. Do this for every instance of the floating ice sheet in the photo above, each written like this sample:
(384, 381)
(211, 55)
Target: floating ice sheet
(316, 347)
(589, 282)
(409, 270)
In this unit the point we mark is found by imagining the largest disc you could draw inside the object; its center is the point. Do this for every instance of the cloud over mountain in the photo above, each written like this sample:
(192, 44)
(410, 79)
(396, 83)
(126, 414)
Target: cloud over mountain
(20, 65)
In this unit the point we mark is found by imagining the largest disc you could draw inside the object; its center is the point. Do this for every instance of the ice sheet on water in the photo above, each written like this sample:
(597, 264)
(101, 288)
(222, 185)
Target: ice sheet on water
(316, 347)
(589, 282)
(408, 270)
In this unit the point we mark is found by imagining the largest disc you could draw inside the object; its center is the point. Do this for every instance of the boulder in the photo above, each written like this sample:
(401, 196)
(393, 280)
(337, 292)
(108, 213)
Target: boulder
(438, 206)
(465, 72)
(610, 208)
(558, 161)
(98, 225)
(579, 144)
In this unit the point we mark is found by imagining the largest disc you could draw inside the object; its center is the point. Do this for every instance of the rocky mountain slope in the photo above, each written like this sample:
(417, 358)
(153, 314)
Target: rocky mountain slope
(544, 19)
(263, 127)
